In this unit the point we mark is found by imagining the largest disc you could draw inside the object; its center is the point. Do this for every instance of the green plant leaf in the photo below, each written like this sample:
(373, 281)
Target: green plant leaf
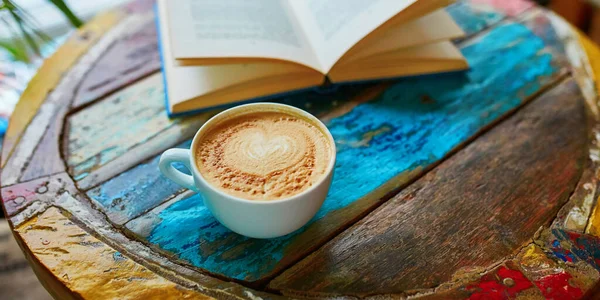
(17, 52)
(27, 33)
(64, 8)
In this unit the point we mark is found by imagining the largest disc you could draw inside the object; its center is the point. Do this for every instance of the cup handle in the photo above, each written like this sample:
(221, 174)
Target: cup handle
(165, 165)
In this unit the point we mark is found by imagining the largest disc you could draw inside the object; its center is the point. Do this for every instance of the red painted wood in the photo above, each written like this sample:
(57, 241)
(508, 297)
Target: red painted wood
(503, 283)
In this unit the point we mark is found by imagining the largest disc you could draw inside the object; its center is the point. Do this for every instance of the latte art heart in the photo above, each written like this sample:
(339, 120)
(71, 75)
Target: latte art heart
(261, 146)
(255, 151)
(264, 156)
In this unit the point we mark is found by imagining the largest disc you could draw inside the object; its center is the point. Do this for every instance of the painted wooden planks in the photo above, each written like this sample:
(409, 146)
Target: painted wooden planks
(166, 133)
(59, 191)
(531, 274)
(142, 187)
(35, 153)
(41, 136)
(17, 197)
(50, 74)
(419, 120)
(554, 279)
(130, 58)
(112, 127)
(120, 196)
(473, 19)
(136, 191)
(478, 216)
(88, 267)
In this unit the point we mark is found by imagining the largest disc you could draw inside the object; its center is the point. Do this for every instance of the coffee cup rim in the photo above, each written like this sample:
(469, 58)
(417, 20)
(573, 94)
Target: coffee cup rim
(285, 107)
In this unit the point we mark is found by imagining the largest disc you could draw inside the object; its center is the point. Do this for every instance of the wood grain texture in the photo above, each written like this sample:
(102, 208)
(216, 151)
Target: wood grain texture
(574, 216)
(90, 173)
(556, 280)
(44, 190)
(142, 188)
(460, 214)
(18, 163)
(95, 222)
(530, 274)
(46, 159)
(60, 193)
(573, 247)
(142, 226)
(50, 73)
(582, 54)
(473, 18)
(592, 225)
(133, 56)
(37, 153)
(120, 195)
(587, 71)
(110, 128)
(504, 281)
(88, 267)
(420, 120)
(592, 61)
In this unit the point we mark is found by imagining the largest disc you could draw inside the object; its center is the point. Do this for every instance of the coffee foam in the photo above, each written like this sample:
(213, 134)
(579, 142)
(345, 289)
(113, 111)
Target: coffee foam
(263, 155)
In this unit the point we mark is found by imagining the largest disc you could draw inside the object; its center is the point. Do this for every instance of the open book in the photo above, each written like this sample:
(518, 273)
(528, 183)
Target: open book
(216, 52)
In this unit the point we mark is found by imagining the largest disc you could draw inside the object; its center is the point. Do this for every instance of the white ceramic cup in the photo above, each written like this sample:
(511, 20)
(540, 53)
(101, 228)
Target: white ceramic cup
(252, 218)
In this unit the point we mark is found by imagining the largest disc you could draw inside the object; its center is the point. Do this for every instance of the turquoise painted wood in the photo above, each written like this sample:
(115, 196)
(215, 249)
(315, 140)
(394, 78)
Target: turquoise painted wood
(143, 187)
(116, 197)
(472, 19)
(381, 144)
(98, 135)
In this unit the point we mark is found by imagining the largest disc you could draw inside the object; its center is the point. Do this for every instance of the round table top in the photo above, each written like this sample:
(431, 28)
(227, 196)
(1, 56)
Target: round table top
(479, 184)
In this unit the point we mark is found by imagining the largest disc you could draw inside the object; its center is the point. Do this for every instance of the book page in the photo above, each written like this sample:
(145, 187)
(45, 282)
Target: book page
(334, 26)
(434, 27)
(184, 83)
(237, 28)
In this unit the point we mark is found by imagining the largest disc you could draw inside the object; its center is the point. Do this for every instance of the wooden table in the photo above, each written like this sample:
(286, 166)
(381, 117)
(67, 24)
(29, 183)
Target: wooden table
(481, 184)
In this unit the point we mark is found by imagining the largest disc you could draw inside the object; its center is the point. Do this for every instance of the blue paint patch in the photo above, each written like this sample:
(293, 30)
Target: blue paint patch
(561, 253)
(137, 190)
(473, 20)
(195, 233)
(117, 256)
(584, 246)
(415, 123)
(81, 176)
(3, 126)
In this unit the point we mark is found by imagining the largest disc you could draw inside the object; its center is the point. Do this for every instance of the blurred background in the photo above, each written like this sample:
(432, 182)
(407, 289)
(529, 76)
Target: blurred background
(31, 30)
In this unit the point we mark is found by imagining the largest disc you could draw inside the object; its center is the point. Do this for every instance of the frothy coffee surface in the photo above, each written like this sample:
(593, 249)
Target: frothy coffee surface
(263, 155)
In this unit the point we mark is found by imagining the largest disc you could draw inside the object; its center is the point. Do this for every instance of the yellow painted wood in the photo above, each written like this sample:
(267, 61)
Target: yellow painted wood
(51, 72)
(88, 267)
(538, 267)
(593, 55)
(593, 226)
